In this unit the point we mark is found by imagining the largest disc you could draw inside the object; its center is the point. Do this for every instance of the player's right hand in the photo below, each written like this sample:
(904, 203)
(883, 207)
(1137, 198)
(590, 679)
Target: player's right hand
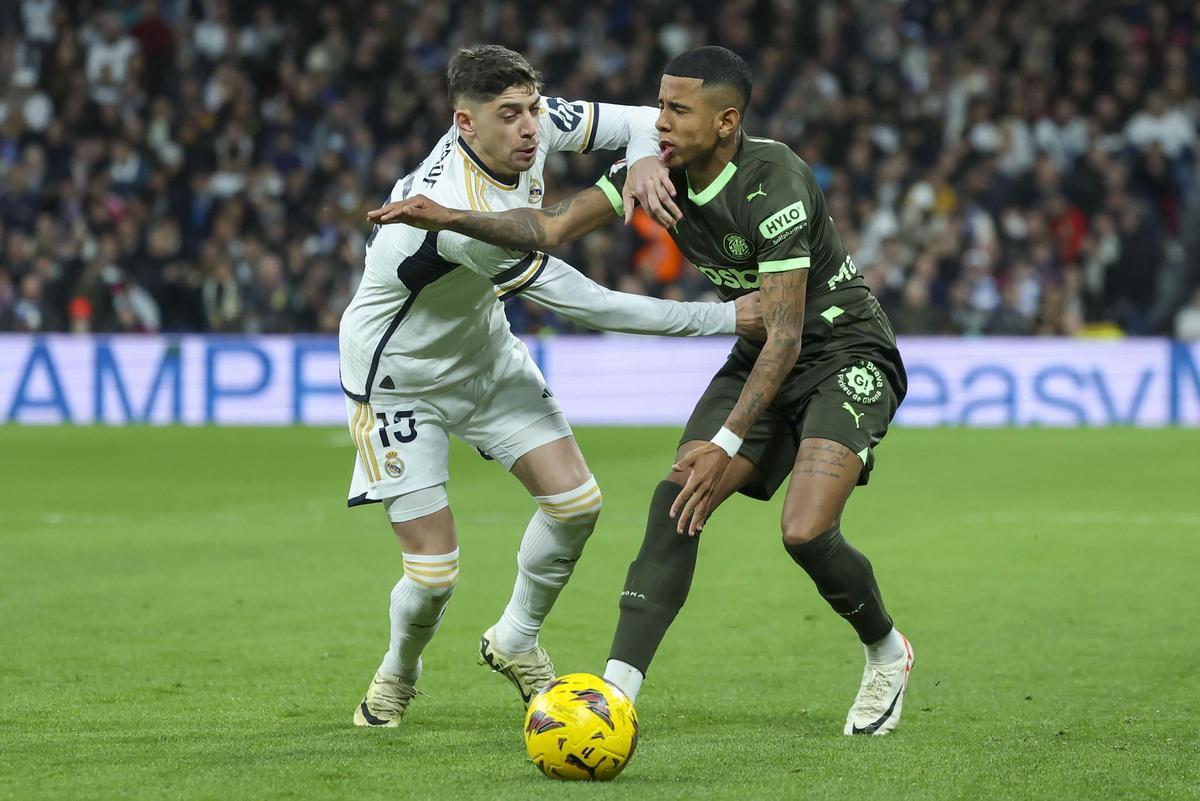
(417, 211)
(749, 317)
(648, 184)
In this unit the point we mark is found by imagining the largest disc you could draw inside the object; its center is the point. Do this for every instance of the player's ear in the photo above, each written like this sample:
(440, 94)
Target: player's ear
(727, 122)
(464, 121)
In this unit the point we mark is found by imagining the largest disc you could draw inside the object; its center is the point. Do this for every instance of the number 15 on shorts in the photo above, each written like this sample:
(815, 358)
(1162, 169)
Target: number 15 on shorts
(400, 429)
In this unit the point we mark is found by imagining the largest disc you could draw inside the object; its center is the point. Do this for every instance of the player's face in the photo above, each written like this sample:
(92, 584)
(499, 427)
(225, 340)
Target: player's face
(687, 125)
(506, 129)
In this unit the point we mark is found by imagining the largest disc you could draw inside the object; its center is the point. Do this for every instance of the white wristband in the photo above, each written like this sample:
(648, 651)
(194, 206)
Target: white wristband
(727, 441)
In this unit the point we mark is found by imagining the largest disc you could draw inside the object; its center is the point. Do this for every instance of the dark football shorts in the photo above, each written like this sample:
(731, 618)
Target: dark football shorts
(846, 388)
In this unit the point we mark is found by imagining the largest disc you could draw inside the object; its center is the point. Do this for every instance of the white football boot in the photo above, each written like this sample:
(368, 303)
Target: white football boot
(880, 698)
(386, 699)
(529, 672)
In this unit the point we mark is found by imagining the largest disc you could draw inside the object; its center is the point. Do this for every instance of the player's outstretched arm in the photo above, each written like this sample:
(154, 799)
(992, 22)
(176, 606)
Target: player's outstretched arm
(517, 229)
(564, 290)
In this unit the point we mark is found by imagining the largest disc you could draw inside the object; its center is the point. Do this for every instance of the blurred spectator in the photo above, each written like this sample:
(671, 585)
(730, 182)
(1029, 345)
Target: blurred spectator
(8, 301)
(206, 166)
(30, 312)
(1168, 128)
(916, 315)
(109, 50)
(1012, 316)
(1187, 320)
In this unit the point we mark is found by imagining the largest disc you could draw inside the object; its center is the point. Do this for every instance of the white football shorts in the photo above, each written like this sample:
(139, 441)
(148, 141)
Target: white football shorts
(403, 444)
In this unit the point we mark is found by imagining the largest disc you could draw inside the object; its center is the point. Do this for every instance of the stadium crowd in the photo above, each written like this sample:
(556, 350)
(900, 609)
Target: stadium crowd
(1011, 167)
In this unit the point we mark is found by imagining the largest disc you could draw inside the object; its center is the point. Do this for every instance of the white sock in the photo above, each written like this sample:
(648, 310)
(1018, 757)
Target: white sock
(625, 676)
(553, 542)
(418, 601)
(889, 649)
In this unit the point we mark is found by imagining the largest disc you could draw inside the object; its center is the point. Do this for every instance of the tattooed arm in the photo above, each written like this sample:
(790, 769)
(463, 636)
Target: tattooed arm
(517, 229)
(783, 315)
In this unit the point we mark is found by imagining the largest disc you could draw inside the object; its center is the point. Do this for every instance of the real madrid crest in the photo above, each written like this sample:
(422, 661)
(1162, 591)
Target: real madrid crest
(737, 247)
(535, 191)
(393, 464)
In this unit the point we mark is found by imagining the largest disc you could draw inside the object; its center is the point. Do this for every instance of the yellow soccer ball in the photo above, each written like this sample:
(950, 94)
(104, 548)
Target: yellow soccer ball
(581, 728)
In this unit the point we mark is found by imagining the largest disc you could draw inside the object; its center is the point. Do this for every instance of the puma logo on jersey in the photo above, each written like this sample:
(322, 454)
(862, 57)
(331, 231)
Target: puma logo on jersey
(756, 193)
(856, 415)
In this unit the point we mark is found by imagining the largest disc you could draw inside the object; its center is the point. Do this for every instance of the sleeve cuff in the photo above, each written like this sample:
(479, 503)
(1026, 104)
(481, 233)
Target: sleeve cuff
(610, 192)
(783, 265)
(643, 139)
(589, 137)
(730, 322)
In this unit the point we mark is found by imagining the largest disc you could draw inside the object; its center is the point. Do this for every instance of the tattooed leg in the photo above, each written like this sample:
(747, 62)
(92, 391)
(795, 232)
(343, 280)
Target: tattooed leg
(823, 477)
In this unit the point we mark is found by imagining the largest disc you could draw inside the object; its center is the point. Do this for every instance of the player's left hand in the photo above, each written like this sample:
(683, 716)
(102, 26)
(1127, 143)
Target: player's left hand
(417, 211)
(708, 463)
(649, 183)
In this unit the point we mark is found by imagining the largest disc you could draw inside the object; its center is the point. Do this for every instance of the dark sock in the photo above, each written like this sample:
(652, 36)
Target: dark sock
(657, 583)
(845, 579)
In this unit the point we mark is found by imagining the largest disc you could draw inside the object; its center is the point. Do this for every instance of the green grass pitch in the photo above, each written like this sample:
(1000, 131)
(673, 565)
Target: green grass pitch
(193, 614)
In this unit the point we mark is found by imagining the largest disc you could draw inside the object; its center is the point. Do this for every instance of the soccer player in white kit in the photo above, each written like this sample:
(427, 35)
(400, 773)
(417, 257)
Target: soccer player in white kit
(426, 351)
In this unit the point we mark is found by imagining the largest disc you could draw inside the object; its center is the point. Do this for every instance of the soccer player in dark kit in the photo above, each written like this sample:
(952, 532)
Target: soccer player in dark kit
(811, 402)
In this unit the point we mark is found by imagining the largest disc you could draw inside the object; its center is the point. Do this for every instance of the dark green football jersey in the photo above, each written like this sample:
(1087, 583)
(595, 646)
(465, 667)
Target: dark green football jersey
(764, 213)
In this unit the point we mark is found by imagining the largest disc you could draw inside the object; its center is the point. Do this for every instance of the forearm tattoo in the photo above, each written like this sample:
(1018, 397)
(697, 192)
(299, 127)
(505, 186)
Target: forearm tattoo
(783, 316)
(518, 229)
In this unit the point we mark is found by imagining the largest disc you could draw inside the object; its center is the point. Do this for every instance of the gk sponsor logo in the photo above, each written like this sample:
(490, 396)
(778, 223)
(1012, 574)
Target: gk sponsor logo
(783, 220)
(732, 277)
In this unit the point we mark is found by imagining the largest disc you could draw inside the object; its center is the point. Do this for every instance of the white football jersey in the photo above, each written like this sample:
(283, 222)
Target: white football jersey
(427, 313)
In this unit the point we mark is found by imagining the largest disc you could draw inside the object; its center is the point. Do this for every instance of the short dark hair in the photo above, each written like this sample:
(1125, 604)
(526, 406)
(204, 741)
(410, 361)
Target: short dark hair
(481, 73)
(715, 66)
